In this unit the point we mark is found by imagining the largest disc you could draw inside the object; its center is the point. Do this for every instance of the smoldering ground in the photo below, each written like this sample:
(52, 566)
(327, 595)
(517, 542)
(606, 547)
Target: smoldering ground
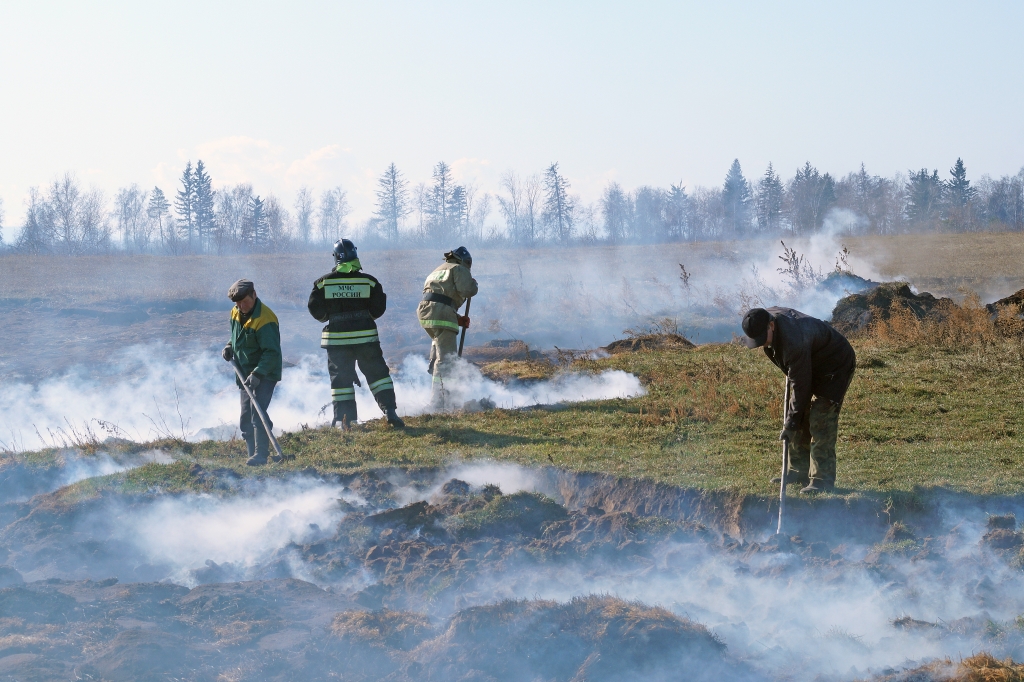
(140, 396)
(437, 573)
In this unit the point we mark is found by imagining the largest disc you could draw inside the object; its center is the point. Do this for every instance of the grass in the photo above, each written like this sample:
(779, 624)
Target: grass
(918, 415)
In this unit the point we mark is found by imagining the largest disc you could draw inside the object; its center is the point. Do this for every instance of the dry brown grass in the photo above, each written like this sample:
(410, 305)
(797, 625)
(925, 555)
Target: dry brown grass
(982, 667)
(951, 326)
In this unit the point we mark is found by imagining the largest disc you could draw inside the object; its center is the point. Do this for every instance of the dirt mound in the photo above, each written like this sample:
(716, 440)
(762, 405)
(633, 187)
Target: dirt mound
(644, 342)
(855, 312)
(845, 283)
(587, 638)
(500, 349)
(1014, 300)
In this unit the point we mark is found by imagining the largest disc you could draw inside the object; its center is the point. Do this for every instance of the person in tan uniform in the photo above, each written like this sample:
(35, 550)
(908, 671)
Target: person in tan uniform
(444, 292)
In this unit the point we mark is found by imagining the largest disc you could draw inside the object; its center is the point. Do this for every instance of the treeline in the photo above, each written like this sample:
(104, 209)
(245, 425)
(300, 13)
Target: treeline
(64, 218)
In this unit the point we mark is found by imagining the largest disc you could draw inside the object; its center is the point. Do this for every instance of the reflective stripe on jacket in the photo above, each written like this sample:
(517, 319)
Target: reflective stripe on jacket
(448, 279)
(349, 302)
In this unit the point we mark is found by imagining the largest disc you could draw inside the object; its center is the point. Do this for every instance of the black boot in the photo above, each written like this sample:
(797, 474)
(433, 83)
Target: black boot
(345, 414)
(393, 418)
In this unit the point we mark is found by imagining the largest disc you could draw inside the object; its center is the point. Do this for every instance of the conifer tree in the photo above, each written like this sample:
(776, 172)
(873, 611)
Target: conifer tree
(677, 205)
(157, 209)
(392, 202)
(256, 229)
(924, 197)
(736, 200)
(770, 191)
(439, 203)
(203, 207)
(185, 205)
(558, 205)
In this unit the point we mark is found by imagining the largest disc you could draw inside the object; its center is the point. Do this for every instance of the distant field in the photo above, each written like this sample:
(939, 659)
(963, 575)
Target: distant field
(64, 311)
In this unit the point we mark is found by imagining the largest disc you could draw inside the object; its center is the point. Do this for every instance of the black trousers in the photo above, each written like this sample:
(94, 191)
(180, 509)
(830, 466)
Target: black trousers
(341, 363)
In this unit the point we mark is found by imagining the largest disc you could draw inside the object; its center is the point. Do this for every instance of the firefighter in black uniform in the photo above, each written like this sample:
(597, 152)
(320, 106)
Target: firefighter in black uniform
(349, 301)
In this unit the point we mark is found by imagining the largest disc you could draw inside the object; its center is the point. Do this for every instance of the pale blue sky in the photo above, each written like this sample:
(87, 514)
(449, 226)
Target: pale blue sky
(324, 93)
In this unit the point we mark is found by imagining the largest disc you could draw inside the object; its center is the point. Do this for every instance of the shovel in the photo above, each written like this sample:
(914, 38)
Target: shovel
(462, 341)
(785, 461)
(258, 408)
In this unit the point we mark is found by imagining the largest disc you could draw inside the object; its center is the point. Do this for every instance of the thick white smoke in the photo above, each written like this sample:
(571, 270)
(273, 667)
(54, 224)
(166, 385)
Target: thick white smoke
(191, 532)
(141, 395)
(783, 614)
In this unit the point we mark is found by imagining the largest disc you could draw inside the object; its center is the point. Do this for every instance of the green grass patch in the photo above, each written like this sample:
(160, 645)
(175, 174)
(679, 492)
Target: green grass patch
(915, 417)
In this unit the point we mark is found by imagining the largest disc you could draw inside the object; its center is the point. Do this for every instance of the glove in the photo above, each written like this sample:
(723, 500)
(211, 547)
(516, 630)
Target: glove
(253, 381)
(463, 320)
(228, 353)
(787, 435)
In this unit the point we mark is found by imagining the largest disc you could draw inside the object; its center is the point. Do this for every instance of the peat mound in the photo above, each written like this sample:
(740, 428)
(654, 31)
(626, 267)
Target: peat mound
(1016, 299)
(588, 638)
(855, 312)
(644, 342)
(501, 349)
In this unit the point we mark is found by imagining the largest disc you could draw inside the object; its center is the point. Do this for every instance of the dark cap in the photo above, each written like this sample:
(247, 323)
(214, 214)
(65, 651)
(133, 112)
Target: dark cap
(240, 290)
(755, 326)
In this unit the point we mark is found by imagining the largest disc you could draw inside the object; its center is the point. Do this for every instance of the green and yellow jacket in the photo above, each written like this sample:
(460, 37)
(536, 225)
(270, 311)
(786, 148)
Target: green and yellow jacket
(349, 301)
(256, 342)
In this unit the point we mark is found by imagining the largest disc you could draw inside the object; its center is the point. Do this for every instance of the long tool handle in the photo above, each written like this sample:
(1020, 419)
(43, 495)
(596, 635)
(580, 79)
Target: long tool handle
(257, 406)
(462, 341)
(785, 461)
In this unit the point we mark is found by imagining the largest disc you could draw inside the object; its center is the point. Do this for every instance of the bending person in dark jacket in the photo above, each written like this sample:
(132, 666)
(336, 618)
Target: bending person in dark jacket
(350, 301)
(819, 363)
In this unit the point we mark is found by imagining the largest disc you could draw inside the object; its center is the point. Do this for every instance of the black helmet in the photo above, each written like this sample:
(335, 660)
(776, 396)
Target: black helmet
(344, 251)
(460, 255)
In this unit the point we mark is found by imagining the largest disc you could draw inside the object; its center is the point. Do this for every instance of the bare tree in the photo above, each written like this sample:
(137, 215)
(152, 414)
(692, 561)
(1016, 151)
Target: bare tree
(531, 208)
(130, 212)
(232, 212)
(277, 222)
(616, 207)
(304, 214)
(333, 211)
(76, 220)
(511, 205)
(481, 212)
(420, 196)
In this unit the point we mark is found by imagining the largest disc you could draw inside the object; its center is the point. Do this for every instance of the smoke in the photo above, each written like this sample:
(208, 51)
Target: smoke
(231, 538)
(77, 468)
(783, 613)
(141, 394)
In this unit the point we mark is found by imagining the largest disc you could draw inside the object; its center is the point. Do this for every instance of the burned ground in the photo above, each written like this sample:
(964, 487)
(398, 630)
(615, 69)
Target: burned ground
(423, 575)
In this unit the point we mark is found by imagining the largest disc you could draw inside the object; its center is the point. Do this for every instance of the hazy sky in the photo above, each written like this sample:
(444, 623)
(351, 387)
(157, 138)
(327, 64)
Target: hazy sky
(283, 94)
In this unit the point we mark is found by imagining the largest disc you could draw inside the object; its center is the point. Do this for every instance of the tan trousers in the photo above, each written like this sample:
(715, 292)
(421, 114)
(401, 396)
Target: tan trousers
(444, 349)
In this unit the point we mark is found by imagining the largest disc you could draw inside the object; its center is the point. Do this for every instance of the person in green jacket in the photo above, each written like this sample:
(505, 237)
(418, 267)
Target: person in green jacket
(256, 344)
